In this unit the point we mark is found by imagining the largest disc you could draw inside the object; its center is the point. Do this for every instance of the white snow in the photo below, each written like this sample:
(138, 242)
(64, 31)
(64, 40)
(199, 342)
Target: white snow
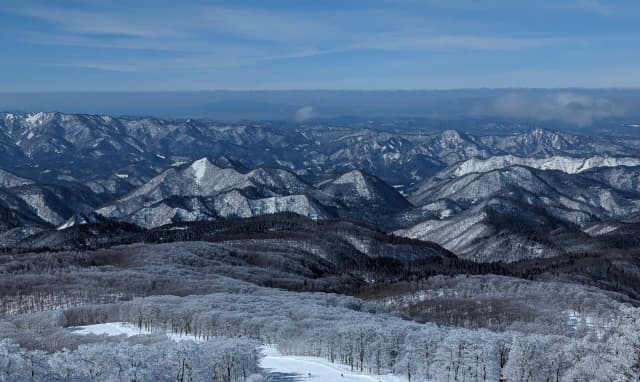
(67, 224)
(601, 229)
(579, 320)
(109, 329)
(446, 213)
(357, 179)
(566, 164)
(36, 118)
(391, 156)
(123, 328)
(320, 369)
(199, 168)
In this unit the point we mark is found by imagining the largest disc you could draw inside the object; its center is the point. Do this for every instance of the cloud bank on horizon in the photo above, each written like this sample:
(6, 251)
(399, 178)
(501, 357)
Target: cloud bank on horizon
(144, 45)
(566, 106)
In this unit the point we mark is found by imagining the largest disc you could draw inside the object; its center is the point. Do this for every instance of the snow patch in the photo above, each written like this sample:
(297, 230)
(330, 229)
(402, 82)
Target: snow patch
(199, 168)
(36, 119)
(124, 329)
(315, 369)
(391, 156)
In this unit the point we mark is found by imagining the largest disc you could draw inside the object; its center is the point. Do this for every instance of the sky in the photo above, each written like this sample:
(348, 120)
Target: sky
(168, 45)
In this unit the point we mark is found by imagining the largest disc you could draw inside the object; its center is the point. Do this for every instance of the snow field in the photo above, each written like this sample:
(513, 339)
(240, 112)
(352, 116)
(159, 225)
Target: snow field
(291, 368)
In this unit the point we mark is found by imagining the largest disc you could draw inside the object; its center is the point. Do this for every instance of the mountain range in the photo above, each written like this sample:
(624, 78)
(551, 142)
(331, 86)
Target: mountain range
(503, 196)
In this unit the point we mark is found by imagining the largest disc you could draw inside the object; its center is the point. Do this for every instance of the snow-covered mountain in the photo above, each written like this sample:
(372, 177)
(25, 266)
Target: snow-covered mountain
(152, 171)
(119, 154)
(574, 198)
(363, 192)
(203, 190)
(465, 207)
(24, 202)
(501, 228)
(570, 165)
(542, 143)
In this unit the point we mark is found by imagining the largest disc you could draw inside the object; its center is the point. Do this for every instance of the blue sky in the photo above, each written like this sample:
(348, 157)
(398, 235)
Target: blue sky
(160, 45)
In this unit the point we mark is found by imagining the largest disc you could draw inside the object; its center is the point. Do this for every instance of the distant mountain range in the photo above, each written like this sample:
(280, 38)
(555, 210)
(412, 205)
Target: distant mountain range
(537, 193)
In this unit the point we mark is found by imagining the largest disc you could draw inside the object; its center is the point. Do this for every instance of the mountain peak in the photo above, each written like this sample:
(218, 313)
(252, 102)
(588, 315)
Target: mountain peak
(39, 118)
(359, 181)
(200, 167)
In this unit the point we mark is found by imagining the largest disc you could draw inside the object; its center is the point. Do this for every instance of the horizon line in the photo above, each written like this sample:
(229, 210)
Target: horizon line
(321, 89)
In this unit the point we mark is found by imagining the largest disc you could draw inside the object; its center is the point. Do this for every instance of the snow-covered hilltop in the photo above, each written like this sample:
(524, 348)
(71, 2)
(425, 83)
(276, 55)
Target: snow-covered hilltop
(570, 165)
(201, 191)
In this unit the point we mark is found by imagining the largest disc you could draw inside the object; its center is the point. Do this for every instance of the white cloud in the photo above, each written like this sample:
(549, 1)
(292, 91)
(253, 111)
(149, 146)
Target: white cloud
(566, 106)
(304, 113)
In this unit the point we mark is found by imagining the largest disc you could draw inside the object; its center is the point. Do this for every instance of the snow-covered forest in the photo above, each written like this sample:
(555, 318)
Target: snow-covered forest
(449, 328)
(229, 327)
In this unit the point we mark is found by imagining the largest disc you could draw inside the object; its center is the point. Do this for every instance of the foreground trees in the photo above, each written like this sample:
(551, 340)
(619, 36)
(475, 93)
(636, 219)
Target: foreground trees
(231, 327)
(218, 360)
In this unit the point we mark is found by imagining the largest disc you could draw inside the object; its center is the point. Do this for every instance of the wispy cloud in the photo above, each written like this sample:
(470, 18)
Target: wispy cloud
(422, 41)
(566, 6)
(321, 44)
(107, 67)
(197, 28)
(263, 25)
(98, 22)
